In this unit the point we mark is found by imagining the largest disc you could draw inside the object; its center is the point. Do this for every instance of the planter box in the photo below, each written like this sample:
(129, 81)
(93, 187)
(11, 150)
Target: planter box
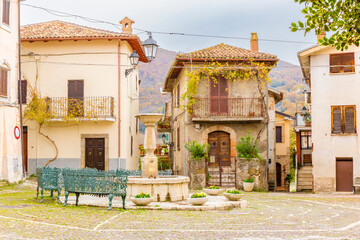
(248, 187)
(233, 197)
(197, 201)
(141, 201)
(213, 191)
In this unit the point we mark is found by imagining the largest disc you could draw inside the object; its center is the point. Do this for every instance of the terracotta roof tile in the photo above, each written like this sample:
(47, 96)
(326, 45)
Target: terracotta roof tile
(64, 30)
(224, 51)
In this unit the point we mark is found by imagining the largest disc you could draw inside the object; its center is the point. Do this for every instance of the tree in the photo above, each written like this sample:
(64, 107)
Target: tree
(340, 17)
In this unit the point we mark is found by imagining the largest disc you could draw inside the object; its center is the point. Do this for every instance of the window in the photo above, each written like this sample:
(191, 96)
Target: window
(219, 99)
(23, 85)
(132, 146)
(178, 138)
(6, 12)
(278, 134)
(305, 140)
(3, 82)
(177, 96)
(342, 63)
(343, 119)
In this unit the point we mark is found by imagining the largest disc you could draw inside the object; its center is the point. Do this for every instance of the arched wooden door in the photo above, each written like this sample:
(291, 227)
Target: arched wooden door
(219, 155)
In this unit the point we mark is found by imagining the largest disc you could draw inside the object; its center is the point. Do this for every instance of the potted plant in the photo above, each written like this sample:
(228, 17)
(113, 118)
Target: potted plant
(289, 178)
(247, 148)
(142, 199)
(233, 195)
(198, 198)
(214, 190)
(248, 184)
(308, 121)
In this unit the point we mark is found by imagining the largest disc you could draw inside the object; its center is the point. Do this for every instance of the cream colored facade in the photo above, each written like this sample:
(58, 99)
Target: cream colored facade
(329, 90)
(283, 122)
(101, 64)
(10, 147)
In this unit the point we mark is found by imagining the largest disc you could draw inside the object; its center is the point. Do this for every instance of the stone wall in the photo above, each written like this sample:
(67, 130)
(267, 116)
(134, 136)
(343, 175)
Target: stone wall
(197, 170)
(254, 168)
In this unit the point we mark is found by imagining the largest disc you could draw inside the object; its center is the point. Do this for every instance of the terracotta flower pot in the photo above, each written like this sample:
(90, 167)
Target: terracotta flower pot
(233, 197)
(141, 201)
(213, 192)
(198, 201)
(248, 187)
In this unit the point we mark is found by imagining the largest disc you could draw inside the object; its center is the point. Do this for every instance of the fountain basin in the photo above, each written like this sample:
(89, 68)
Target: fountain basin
(164, 188)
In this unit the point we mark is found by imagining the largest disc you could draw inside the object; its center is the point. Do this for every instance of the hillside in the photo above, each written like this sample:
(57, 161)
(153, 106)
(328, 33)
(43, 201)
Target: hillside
(285, 77)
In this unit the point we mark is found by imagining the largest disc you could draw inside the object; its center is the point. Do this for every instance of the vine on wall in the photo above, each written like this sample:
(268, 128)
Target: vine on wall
(242, 71)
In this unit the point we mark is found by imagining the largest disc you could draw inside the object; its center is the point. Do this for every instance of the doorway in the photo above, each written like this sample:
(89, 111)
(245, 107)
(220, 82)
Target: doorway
(25, 143)
(95, 153)
(278, 175)
(344, 174)
(76, 98)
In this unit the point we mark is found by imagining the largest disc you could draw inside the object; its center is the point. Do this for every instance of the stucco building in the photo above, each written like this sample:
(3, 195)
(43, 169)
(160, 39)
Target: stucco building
(87, 70)
(10, 141)
(222, 113)
(333, 77)
(283, 123)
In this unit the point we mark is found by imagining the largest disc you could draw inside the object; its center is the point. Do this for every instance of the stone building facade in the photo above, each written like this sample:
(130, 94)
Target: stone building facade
(220, 124)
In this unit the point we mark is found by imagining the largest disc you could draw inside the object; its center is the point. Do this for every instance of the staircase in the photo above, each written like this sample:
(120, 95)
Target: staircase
(227, 179)
(304, 181)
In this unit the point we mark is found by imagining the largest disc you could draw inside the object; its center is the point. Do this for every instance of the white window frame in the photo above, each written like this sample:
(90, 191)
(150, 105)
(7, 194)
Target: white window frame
(4, 26)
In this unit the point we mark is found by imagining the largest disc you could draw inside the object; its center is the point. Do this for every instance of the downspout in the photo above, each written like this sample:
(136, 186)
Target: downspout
(267, 133)
(172, 134)
(20, 93)
(119, 102)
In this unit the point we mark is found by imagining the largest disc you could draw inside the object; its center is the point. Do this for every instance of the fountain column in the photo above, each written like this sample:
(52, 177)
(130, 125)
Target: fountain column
(149, 163)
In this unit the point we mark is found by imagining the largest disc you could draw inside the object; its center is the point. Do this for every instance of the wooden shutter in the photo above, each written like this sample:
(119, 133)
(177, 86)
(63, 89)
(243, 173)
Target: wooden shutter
(342, 63)
(23, 85)
(3, 81)
(178, 95)
(223, 95)
(6, 12)
(178, 138)
(336, 120)
(278, 134)
(349, 112)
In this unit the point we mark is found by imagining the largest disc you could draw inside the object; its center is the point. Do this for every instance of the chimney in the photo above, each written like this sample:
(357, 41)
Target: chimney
(321, 36)
(126, 25)
(254, 43)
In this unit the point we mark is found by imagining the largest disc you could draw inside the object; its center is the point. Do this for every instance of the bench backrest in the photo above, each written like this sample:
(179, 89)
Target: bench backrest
(95, 181)
(49, 178)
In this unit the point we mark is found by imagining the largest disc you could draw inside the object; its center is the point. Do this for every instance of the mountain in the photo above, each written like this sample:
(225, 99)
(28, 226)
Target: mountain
(286, 77)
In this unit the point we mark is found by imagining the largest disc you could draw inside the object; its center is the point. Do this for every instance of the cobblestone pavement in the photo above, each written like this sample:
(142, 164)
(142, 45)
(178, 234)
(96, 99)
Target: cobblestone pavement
(269, 216)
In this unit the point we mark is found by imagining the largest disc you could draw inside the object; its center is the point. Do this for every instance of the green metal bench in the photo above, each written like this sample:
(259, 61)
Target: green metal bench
(94, 182)
(49, 179)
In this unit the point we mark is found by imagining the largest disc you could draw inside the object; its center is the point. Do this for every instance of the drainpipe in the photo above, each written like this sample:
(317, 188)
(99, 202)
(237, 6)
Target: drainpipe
(119, 101)
(20, 93)
(267, 132)
(172, 134)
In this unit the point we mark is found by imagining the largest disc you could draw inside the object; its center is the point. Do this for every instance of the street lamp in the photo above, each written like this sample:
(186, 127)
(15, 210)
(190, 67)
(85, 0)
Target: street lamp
(163, 138)
(134, 60)
(150, 47)
(304, 110)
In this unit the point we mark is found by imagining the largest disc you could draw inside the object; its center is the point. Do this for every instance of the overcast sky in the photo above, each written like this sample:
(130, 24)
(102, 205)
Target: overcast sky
(269, 18)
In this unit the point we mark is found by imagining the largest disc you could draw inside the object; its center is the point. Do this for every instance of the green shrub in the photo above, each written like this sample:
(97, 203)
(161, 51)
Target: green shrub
(247, 148)
(214, 187)
(249, 180)
(198, 195)
(289, 178)
(197, 150)
(235, 191)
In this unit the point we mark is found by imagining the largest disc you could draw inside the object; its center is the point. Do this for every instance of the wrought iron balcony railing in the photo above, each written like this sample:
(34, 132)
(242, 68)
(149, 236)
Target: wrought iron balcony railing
(85, 107)
(223, 108)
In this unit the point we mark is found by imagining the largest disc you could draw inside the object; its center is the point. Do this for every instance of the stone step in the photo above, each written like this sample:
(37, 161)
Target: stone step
(304, 179)
(305, 174)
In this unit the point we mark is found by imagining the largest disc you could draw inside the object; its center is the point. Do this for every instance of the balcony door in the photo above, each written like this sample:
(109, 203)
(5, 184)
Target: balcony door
(219, 96)
(76, 98)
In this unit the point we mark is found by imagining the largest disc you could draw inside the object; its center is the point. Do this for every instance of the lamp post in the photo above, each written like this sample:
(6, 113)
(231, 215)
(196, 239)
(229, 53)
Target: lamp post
(134, 60)
(150, 48)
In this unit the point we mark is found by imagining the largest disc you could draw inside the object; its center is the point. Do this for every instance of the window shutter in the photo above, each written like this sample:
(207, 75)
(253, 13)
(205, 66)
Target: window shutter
(178, 95)
(278, 134)
(178, 138)
(350, 119)
(336, 120)
(3, 82)
(348, 62)
(6, 12)
(223, 94)
(23, 85)
(335, 62)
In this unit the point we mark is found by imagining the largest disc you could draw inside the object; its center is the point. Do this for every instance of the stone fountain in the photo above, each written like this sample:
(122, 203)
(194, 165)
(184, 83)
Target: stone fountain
(161, 188)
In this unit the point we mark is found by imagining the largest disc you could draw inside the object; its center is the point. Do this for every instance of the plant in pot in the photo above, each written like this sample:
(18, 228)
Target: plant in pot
(197, 150)
(233, 195)
(142, 199)
(248, 184)
(289, 178)
(198, 198)
(248, 148)
(214, 190)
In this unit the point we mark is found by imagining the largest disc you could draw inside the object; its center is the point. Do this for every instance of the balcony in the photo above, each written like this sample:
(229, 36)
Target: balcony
(80, 109)
(227, 109)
